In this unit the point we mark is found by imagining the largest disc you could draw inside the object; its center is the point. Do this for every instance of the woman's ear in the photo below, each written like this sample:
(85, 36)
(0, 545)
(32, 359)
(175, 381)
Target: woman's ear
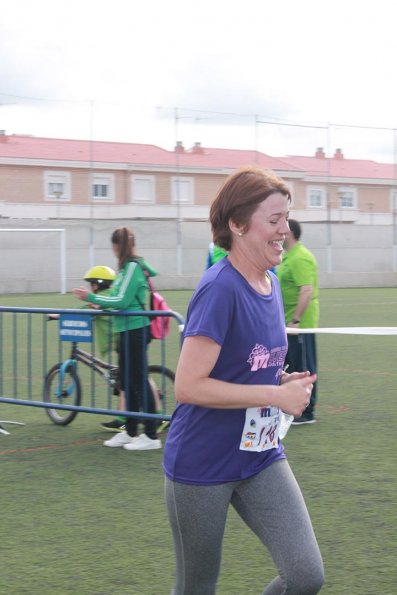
(236, 229)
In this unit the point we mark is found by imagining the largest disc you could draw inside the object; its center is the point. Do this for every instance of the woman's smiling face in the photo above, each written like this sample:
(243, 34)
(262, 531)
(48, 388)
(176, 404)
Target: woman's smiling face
(266, 231)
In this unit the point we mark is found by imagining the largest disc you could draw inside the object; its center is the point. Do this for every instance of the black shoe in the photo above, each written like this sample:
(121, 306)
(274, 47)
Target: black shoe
(303, 419)
(114, 425)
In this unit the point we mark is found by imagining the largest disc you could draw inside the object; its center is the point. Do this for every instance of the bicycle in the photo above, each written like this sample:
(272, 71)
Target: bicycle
(62, 384)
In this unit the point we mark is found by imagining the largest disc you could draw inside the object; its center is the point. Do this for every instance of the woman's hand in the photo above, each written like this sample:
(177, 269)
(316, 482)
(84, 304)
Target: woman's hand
(80, 293)
(293, 376)
(53, 317)
(295, 392)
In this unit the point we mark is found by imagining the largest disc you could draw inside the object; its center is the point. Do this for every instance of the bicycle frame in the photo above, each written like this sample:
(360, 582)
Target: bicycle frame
(68, 384)
(106, 370)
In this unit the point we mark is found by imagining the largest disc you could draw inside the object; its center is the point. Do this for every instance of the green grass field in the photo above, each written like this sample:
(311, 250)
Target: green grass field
(78, 518)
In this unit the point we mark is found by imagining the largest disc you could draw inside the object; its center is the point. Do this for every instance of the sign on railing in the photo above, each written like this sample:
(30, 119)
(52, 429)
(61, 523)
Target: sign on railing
(75, 327)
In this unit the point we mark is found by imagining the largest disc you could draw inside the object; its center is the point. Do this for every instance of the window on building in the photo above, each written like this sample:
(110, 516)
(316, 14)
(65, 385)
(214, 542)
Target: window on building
(56, 185)
(316, 197)
(182, 190)
(143, 189)
(102, 187)
(347, 198)
(100, 191)
(56, 188)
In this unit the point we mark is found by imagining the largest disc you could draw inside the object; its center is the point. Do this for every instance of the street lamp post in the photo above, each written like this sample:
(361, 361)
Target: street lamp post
(179, 268)
(58, 195)
(91, 249)
(394, 195)
(371, 214)
(328, 199)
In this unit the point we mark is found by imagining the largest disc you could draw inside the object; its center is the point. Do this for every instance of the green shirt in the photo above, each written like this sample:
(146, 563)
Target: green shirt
(299, 267)
(104, 333)
(128, 292)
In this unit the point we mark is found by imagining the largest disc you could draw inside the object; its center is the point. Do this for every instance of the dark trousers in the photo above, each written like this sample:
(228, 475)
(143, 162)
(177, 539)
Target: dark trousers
(302, 356)
(134, 378)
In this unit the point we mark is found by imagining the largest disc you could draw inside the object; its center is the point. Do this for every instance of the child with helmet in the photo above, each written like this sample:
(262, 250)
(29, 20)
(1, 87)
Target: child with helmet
(100, 279)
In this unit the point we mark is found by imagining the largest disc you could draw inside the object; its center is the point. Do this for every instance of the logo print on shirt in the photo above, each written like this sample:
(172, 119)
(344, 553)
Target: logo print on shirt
(260, 357)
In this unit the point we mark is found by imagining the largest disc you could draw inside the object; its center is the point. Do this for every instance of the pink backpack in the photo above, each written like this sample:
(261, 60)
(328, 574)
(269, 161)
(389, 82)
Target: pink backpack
(159, 325)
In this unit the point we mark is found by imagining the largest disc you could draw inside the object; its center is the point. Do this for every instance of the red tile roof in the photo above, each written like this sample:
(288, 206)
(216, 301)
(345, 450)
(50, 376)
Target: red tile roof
(31, 147)
(342, 167)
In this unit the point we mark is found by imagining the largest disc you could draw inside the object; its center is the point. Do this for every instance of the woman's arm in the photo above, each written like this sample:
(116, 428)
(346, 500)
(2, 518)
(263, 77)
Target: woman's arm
(124, 296)
(194, 386)
(126, 292)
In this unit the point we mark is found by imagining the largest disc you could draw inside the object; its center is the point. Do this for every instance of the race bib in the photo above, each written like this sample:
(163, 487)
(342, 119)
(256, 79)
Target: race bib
(260, 429)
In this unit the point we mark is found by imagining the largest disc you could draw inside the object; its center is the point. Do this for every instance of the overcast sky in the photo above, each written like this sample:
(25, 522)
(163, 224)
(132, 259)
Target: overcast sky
(117, 71)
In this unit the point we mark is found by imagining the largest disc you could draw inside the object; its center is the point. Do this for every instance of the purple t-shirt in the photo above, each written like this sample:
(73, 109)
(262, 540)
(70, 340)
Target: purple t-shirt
(203, 444)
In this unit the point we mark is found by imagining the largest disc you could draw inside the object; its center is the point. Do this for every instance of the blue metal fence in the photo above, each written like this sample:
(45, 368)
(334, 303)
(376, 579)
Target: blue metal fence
(30, 348)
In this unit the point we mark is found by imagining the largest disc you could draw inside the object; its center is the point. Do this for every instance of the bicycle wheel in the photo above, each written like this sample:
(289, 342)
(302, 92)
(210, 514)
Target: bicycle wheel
(162, 383)
(68, 394)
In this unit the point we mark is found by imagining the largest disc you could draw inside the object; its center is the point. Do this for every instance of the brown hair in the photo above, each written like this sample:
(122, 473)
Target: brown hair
(238, 199)
(124, 238)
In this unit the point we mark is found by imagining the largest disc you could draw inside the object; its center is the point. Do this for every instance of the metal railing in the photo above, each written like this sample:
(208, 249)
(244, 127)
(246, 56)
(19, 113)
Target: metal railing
(39, 362)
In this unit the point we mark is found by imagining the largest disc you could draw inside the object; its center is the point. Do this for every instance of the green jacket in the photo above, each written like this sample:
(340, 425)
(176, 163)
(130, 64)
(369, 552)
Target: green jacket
(128, 292)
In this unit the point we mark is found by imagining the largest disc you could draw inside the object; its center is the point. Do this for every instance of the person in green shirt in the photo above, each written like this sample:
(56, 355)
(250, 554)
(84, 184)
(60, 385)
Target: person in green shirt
(298, 278)
(128, 293)
(215, 253)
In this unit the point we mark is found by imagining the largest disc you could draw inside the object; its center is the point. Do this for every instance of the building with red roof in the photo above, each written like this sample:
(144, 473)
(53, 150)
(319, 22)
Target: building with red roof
(52, 178)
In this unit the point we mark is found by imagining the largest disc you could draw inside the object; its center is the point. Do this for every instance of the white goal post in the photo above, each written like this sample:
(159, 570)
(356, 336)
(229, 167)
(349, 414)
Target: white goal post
(62, 248)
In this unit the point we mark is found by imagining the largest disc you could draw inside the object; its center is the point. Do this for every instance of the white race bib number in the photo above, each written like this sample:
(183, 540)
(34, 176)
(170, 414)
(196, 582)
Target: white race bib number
(260, 429)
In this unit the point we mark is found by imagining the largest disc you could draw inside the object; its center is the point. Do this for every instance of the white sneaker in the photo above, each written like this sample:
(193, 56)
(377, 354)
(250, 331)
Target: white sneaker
(143, 442)
(120, 439)
(4, 431)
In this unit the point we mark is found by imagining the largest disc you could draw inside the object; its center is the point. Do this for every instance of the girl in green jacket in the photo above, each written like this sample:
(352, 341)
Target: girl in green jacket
(129, 292)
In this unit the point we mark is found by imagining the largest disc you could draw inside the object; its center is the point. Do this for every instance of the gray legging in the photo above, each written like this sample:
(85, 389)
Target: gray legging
(271, 504)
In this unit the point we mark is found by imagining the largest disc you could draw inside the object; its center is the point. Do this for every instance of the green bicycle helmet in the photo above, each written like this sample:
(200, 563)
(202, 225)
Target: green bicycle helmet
(102, 275)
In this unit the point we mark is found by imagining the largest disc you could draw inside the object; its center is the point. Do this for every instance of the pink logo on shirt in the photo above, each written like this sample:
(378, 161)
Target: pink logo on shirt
(260, 357)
